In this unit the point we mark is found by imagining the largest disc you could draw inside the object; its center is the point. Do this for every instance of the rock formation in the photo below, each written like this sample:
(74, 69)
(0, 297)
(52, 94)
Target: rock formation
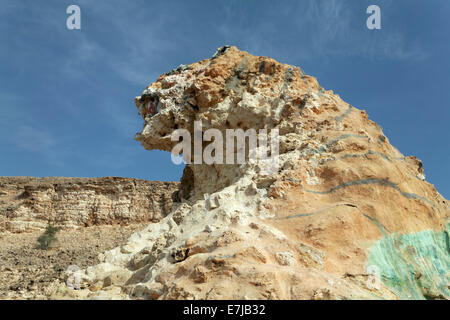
(28, 204)
(347, 216)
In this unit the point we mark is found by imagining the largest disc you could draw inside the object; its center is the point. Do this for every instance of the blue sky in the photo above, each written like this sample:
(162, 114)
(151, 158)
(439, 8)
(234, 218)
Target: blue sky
(66, 96)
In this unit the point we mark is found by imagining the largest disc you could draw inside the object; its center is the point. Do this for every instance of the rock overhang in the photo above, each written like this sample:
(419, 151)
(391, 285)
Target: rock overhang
(340, 190)
(231, 90)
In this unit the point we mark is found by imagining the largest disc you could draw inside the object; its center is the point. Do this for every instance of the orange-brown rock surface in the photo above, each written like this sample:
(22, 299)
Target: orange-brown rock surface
(344, 201)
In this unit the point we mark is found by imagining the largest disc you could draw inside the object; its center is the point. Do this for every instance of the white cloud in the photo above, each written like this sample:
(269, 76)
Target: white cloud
(317, 29)
(136, 41)
(33, 139)
(340, 30)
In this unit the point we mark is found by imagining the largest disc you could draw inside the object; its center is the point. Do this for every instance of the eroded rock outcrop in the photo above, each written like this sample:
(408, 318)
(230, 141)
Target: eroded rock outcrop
(343, 203)
(28, 204)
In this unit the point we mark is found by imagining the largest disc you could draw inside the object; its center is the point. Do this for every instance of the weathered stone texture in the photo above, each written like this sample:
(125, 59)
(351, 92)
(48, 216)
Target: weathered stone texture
(28, 204)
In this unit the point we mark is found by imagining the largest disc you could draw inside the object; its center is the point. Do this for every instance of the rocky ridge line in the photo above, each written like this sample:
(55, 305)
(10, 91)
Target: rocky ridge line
(29, 204)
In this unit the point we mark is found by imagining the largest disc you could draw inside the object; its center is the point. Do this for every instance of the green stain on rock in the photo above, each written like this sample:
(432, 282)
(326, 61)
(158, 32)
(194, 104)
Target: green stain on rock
(414, 266)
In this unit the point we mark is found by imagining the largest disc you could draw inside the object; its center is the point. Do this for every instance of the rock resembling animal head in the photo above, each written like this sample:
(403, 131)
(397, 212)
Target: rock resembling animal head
(231, 90)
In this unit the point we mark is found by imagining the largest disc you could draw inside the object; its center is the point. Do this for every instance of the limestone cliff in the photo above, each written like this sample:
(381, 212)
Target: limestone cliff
(28, 204)
(346, 215)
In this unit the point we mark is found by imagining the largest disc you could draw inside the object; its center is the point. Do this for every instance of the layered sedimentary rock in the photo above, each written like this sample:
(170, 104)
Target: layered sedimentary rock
(345, 216)
(28, 204)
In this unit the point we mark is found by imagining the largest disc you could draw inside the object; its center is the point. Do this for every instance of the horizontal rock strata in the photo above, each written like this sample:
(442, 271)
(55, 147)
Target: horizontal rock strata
(28, 204)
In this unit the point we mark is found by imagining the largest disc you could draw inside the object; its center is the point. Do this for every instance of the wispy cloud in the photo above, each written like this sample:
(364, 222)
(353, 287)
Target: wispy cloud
(33, 139)
(311, 29)
(338, 28)
(135, 41)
